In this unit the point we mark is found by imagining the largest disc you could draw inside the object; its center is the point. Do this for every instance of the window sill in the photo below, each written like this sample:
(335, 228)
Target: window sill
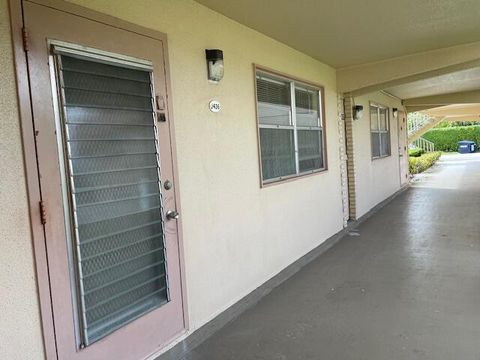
(290, 178)
(381, 157)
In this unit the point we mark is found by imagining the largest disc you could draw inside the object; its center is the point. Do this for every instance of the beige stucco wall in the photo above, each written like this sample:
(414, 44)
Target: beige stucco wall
(20, 335)
(375, 179)
(236, 235)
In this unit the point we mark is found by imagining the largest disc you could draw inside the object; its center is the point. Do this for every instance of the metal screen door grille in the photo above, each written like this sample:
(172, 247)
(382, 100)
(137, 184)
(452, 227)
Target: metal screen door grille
(113, 179)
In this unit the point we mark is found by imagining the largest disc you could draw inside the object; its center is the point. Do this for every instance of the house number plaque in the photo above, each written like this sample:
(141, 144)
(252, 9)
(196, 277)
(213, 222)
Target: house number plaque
(214, 106)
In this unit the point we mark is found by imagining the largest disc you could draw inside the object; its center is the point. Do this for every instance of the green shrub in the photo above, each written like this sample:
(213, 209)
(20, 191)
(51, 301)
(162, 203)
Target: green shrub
(416, 152)
(446, 139)
(419, 164)
(446, 123)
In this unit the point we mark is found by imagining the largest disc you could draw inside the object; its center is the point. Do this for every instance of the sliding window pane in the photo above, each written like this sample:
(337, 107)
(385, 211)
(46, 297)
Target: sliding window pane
(375, 144)
(309, 150)
(373, 118)
(385, 144)
(278, 153)
(273, 101)
(383, 119)
(307, 107)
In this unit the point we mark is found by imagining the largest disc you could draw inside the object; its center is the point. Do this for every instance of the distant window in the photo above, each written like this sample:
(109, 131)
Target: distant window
(291, 127)
(380, 131)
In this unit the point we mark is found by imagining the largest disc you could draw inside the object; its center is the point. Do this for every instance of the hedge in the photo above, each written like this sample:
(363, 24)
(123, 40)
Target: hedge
(419, 164)
(446, 139)
(416, 152)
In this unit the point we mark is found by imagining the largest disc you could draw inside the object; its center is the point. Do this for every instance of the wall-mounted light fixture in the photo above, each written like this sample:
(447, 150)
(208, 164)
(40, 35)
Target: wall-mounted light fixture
(395, 112)
(214, 64)
(357, 112)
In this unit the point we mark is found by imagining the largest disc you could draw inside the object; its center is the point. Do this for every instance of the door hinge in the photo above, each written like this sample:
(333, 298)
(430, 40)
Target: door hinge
(43, 213)
(25, 39)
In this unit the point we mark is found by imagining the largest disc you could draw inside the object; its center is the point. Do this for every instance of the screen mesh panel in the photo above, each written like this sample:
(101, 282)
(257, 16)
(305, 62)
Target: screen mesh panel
(278, 153)
(309, 150)
(385, 144)
(376, 152)
(113, 173)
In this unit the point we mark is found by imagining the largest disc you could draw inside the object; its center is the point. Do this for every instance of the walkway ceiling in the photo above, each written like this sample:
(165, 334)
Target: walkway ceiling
(459, 81)
(454, 95)
(457, 112)
(426, 53)
(344, 33)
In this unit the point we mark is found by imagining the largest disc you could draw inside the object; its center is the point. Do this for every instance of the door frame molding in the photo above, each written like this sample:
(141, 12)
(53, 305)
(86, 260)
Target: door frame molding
(405, 137)
(34, 194)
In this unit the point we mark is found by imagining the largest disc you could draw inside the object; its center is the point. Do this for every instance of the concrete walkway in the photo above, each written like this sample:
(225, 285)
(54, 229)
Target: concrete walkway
(407, 287)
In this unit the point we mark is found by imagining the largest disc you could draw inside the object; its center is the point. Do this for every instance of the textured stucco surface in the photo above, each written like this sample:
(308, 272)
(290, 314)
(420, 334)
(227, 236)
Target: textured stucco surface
(20, 334)
(375, 179)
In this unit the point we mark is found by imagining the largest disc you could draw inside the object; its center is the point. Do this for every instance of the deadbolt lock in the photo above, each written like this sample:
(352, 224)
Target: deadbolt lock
(172, 215)
(167, 185)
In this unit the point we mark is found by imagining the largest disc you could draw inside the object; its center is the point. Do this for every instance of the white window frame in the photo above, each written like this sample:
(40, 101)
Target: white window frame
(378, 132)
(259, 71)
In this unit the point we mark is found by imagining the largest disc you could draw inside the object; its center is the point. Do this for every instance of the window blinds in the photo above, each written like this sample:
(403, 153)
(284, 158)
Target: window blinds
(379, 131)
(273, 101)
(290, 127)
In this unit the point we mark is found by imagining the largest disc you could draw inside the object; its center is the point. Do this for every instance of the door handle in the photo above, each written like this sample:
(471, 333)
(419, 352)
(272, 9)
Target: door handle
(172, 215)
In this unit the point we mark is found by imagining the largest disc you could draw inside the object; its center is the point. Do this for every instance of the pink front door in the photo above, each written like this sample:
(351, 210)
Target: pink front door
(106, 169)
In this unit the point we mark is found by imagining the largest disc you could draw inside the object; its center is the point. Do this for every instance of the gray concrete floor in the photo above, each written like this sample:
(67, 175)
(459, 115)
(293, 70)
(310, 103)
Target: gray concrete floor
(407, 287)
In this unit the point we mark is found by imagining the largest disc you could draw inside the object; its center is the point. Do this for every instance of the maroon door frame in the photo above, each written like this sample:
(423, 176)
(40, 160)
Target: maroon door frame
(20, 46)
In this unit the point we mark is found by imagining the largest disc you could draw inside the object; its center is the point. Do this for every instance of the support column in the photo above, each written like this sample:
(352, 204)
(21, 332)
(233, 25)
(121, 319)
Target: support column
(352, 198)
(343, 159)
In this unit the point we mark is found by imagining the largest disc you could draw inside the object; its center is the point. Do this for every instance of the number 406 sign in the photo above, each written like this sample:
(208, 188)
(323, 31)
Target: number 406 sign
(214, 106)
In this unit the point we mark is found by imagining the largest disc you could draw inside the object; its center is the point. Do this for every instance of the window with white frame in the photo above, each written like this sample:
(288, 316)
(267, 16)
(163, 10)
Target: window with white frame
(380, 131)
(290, 127)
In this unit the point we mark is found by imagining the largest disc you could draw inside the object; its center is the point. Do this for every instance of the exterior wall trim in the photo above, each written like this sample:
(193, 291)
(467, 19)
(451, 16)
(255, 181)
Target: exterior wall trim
(32, 178)
(342, 152)
(30, 159)
(350, 150)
